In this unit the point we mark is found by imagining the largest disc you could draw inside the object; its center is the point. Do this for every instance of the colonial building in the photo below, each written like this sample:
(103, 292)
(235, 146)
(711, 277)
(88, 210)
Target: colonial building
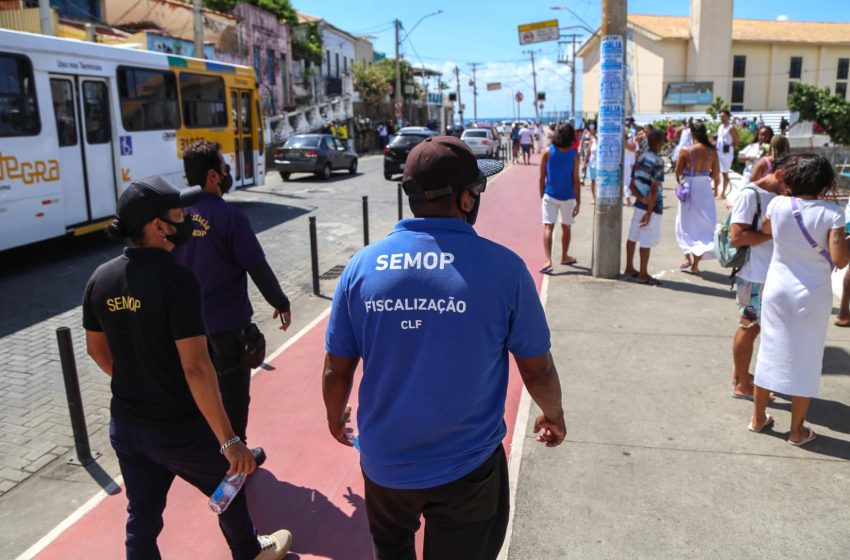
(333, 76)
(682, 63)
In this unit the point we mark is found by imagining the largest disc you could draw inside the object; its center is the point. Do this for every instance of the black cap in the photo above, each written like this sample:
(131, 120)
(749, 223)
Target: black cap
(444, 161)
(149, 198)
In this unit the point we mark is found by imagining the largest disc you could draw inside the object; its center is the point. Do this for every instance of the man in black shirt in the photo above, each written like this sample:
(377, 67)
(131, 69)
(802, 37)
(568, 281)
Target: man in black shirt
(144, 327)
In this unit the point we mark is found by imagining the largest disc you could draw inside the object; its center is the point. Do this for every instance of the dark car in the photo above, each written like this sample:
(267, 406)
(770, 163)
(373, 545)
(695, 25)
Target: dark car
(320, 154)
(395, 154)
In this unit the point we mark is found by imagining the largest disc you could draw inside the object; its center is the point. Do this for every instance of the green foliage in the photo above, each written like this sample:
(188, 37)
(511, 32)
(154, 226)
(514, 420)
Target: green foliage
(281, 8)
(823, 108)
(717, 105)
(387, 66)
(371, 82)
(307, 43)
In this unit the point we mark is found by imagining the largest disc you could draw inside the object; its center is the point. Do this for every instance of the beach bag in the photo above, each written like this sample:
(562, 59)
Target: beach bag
(727, 254)
(683, 191)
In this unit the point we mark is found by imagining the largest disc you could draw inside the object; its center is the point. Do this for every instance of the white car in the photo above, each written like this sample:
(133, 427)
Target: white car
(480, 141)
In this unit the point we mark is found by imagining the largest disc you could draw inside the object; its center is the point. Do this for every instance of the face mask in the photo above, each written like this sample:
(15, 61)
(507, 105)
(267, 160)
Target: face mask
(226, 181)
(472, 215)
(184, 231)
(591, 126)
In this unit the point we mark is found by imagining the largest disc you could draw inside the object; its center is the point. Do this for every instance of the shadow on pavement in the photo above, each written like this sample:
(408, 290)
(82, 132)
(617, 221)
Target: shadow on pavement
(830, 414)
(266, 215)
(696, 289)
(836, 361)
(309, 178)
(106, 482)
(318, 526)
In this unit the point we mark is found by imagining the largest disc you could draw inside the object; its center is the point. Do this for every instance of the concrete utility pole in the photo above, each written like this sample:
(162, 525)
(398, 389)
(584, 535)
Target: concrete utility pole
(459, 104)
(45, 17)
(474, 91)
(608, 216)
(397, 70)
(534, 83)
(197, 11)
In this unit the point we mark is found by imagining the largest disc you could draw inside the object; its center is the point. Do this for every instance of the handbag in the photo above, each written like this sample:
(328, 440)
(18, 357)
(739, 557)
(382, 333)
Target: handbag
(683, 190)
(795, 209)
(728, 255)
(253, 345)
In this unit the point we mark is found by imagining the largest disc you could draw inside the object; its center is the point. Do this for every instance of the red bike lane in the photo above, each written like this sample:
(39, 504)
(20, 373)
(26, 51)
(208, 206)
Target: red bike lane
(310, 484)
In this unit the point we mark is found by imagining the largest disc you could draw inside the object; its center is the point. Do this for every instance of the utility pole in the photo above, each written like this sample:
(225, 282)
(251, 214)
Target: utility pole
(45, 17)
(608, 215)
(197, 12)
(572, 64)
(474, 90)
(397, 71)
(534, 83)
(459, 104)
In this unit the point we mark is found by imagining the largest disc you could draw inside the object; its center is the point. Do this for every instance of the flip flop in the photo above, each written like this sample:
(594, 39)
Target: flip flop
(735, 395)
(842, 325)
(568, 263)
(812, 435)
(684, 267)
(632, 275)
(767, 424)
(650, 282)
(546, 270)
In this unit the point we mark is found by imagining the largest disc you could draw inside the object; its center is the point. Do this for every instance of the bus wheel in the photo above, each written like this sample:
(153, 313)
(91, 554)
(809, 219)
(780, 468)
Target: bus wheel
(326, 172)
(284, 175)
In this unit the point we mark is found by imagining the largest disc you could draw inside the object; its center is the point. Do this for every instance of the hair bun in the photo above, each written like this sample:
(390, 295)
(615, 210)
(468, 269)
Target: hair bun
(117, 229)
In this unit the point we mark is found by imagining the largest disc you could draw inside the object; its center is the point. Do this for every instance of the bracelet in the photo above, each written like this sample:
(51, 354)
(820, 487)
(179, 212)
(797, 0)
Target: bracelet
(228, 443)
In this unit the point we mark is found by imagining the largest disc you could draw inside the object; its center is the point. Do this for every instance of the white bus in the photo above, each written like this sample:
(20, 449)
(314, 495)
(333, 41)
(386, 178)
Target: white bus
(79, 121)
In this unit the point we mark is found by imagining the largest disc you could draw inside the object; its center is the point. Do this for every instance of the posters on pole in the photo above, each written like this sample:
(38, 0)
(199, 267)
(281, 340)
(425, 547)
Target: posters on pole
(611, 116)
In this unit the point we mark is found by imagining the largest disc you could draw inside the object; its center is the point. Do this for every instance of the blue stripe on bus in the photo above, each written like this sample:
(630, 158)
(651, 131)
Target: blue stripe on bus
(213, 67)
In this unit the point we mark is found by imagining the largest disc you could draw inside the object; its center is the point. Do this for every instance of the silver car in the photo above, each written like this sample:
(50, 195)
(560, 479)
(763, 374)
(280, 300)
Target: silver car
(480, 141)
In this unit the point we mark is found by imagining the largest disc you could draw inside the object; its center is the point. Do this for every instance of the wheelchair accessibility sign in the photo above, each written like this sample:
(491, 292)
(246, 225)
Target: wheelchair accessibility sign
(126, 145)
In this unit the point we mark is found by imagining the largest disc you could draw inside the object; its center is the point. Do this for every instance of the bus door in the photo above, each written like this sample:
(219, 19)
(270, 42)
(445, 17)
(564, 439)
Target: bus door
(75, 203)
(243, 129)
(97, 147)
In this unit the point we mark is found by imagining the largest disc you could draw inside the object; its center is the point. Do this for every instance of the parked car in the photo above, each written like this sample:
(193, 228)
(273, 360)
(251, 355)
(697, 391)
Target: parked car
(481, 141)
(320, 154)
(395, 154)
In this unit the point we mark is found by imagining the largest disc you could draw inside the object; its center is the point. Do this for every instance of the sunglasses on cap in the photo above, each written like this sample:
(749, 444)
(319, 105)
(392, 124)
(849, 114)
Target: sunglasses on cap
(477, 187)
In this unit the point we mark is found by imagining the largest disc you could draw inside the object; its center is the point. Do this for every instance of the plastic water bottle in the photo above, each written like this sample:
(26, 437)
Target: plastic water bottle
(226, 491)
(355, 440)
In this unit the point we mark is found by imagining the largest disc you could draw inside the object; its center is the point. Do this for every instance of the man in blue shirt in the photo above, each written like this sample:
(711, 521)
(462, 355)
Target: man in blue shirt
(559, 179)
(223, 253)
(434, 310)
(647, 186)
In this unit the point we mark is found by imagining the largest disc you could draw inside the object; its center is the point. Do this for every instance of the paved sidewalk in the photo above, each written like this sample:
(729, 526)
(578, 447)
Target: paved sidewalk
(658, 462)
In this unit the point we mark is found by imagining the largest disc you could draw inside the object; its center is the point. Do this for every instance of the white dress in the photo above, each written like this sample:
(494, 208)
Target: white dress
(797, 299)
(724, 138)
(685, 140)
(696, 219)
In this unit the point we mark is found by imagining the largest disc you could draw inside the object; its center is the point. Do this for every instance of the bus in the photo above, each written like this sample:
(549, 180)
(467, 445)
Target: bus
(79, 121)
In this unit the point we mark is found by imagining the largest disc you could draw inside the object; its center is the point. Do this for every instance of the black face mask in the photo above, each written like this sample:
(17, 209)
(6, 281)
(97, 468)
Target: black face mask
(472, 215)
(184, 231)
(226, 181)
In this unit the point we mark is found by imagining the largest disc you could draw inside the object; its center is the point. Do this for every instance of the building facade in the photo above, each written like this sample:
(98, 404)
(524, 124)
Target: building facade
(333, 77)
(683, 63)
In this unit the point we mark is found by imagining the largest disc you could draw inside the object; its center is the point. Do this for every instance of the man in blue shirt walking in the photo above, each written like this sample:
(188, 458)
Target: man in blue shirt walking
(433, 309)
(559, 181)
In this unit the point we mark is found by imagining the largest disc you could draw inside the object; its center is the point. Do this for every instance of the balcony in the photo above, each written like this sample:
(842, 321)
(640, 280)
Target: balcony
(333, 86)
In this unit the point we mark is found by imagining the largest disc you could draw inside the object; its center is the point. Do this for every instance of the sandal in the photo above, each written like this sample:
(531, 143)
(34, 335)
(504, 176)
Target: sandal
(812, 435)
(768, 423)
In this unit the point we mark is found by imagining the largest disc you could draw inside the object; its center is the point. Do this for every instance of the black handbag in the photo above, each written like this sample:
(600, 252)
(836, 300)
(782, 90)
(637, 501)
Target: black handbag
(253, 345)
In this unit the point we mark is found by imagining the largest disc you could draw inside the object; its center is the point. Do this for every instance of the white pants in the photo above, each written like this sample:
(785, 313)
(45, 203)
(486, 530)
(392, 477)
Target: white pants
(553, 206)
(726, 159)
(648, 236)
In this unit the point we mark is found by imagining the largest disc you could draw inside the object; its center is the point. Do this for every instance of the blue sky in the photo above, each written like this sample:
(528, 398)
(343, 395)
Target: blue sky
(485, 31)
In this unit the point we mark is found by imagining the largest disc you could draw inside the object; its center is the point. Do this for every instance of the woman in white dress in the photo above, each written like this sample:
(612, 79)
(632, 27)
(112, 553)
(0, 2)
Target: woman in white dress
(685, 139)
(727, 142)
(755, 151)
(797, 298)
(696, 218)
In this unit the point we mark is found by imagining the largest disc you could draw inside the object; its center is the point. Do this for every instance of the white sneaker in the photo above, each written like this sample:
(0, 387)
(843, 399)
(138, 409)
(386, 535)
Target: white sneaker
(274, 546)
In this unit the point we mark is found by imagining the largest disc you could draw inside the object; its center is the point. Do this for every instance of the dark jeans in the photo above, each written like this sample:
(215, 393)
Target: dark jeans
(234, 382)
(150, 457)
(464, 520)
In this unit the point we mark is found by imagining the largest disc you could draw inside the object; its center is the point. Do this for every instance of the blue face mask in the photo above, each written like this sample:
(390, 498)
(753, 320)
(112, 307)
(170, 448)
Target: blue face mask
(591, 127)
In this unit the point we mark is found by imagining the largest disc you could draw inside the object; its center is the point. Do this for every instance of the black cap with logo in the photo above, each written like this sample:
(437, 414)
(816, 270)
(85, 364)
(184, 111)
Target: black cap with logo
(149, 198)
(439, 164)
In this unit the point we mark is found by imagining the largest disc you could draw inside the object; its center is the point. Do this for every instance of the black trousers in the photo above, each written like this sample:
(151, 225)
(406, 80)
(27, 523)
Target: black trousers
(150, 457)
(464, 520)
(234, 381)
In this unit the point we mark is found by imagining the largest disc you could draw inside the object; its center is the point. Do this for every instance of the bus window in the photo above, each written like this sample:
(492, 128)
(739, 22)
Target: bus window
(148, 99)
(203, 101)
(261, 138)
(18, 109)
(96, 111)
(63, 108)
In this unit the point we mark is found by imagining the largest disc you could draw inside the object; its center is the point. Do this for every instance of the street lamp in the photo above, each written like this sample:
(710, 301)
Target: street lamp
(436, 13)
(584, 25)
(398, 47)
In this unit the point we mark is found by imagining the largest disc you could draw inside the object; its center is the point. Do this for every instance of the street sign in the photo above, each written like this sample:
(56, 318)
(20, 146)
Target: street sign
(541, 96)
(518, 96)
(494, 86)
(539, 32)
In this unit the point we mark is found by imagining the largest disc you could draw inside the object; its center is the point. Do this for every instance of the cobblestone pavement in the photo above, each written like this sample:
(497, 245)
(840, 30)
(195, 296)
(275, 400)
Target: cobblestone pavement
(41, 288)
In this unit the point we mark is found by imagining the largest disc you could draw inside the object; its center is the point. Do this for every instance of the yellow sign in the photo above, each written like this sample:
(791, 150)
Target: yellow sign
(538, 25)
(539, 31)
(29, 172)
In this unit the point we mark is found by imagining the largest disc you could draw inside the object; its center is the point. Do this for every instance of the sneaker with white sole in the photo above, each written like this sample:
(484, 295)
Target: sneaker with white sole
(274, 546)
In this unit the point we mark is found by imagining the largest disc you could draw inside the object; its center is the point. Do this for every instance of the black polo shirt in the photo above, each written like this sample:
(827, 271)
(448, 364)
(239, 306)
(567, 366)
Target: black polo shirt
(144, 301)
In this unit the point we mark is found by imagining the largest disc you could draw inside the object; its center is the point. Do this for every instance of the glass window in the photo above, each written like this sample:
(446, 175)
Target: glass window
(328, 53)
(739, 66)
(406, 140)
(476, 134)
(303, 141)
(336, 56)
(270, 64)
(148, 99)
(345, 65)
(737, 91)
(841, 90)
(96, 113)
(257, 70)
(18, 107)
(260, 137)
(63, 109)
(736, 108)
(843, 67)
(203, 101)
(796, 69)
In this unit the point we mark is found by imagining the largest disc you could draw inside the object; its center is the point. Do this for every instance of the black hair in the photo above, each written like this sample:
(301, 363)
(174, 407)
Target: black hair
(701, 135)
(564, 136)
(769, 131)
(656, 136)
(198, 159)
(808, 174)
(590, 122)
(118, 231)
(437, 207)
(728, 114)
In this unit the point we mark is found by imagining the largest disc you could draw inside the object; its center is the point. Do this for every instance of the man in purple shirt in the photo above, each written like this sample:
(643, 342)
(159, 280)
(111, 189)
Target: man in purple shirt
(224, 251)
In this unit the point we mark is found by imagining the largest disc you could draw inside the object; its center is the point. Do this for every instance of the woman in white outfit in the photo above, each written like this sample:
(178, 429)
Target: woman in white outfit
(697, 168)
(797, 299)
(727, 141)
(685, 139)
(754, 152)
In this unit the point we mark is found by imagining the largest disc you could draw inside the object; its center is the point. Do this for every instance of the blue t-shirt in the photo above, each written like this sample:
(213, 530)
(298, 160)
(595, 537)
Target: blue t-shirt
(648, 168)
(433, 309)
(559, 174)
(223, 248)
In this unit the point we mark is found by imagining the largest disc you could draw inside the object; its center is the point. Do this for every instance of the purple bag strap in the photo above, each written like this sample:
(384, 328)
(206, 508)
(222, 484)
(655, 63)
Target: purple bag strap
(797, 216)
